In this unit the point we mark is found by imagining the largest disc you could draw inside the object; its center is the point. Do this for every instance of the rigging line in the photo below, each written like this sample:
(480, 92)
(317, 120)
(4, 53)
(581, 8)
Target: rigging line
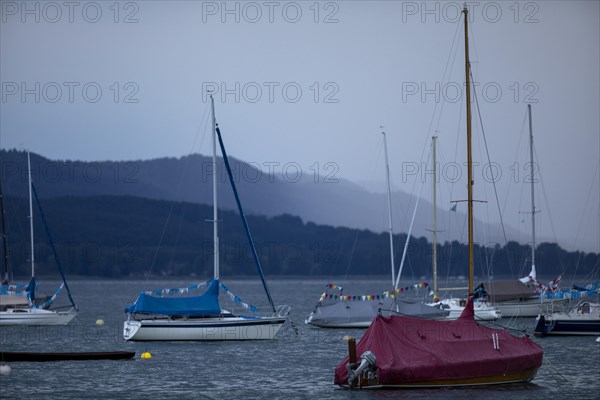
(517, 180)
(506, 327)
(456, 146)
(520, 222)
(521, 135)
(444, 79)
(243, 216)
(494, 178)
(204, 121)
(409, 231)
(483, 247)
(591, 275)
(177, 236)
(554, 372)
(472, 37)
(374, 156)
(440, 177)
(351, 255)
(177, 189)
(5, 263)
(581, 221)
(52, 246)
(458, 25)
(548, 206)
(417, 178)
(489, 249)
(448, 225)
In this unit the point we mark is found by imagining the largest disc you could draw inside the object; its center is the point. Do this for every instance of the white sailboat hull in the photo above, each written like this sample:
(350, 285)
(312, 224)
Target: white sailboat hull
(203, 329)
(527, 308)
(348, 324)
(483, 311)
(35, 316)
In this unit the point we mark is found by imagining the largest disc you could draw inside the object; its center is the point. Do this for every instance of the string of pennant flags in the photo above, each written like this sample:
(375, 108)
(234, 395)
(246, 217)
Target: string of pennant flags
(368, 297)
(551, 290)
(169, 292)
(237, 300)
(567, 294)
(192, 288)
(570, 294)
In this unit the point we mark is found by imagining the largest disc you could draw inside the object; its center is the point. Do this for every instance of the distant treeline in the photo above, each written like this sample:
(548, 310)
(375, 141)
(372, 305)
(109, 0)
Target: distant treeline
(116, 236)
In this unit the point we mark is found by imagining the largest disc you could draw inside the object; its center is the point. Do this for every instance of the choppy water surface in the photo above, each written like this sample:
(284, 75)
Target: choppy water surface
(292, 366)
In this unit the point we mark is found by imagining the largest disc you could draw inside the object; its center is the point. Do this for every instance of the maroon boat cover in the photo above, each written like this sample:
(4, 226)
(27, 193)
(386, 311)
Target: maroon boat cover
(411, 349)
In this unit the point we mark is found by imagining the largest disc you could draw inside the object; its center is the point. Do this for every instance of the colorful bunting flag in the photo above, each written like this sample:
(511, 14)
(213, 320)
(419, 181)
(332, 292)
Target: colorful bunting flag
(387, 294)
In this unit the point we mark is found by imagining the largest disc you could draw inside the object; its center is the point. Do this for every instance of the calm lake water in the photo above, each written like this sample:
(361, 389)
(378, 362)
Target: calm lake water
(293, 366)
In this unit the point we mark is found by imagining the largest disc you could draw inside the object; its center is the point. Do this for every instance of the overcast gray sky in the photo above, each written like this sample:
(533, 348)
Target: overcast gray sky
(309, 82)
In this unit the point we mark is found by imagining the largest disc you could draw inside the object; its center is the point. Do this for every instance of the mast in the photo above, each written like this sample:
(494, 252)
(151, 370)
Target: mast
(4, 241)
(30, 217)
(469, 155)
(215, 216)
(389, 193)
(532, 191)
(433, 142)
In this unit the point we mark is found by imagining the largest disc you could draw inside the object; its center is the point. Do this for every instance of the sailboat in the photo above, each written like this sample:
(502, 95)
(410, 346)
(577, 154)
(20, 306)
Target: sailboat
(344, 311)
(582, 319)
(33, 311)
(400, 351)
(454, 306)
(11, 294)
(525, 297)
(160, 315)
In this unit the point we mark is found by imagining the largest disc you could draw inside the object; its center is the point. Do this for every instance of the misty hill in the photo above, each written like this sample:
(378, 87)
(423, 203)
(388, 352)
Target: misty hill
(264, 191)
(113, 236)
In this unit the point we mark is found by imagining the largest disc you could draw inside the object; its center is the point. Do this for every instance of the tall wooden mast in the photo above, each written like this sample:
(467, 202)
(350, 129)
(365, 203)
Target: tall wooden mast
(469, 155)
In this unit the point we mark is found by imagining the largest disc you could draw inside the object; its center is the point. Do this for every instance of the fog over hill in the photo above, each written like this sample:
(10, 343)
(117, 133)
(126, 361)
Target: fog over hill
(264, 189)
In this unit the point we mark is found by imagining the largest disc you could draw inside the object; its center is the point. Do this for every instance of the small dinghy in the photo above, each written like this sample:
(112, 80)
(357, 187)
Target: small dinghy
(9, 356)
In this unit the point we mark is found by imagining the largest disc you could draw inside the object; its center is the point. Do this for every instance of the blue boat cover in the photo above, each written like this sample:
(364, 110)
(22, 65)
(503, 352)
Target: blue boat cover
(205, 304)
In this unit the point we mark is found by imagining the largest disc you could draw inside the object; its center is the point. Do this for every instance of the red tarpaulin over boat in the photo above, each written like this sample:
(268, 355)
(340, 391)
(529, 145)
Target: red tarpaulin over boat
(416, 351)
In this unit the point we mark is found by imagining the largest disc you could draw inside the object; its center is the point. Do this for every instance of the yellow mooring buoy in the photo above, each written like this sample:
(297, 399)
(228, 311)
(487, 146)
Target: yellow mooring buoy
(99, 322)
(146, 355)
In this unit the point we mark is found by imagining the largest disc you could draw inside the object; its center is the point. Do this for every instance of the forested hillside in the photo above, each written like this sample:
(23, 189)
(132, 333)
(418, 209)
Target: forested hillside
(114, 236)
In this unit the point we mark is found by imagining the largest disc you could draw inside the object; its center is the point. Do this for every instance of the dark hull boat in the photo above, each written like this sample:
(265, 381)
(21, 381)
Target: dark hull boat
(581, 321)
(405, 352)
(9, 356)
